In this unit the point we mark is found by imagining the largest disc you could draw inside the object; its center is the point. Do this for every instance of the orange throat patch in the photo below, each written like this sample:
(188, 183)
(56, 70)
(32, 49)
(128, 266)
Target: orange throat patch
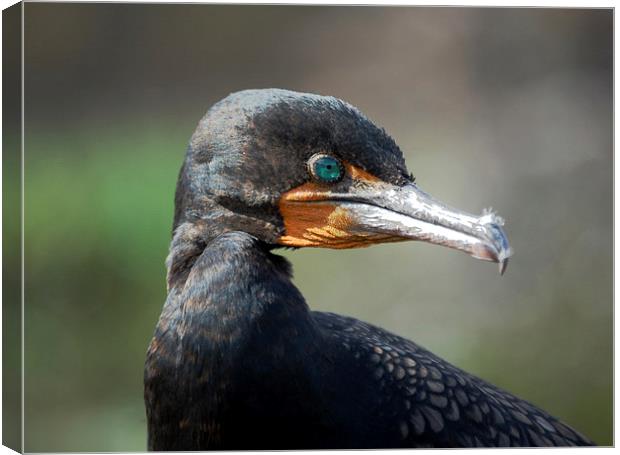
(312, 220)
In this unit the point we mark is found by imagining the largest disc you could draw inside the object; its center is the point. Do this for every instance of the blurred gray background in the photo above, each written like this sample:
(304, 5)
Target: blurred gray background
(510, 108)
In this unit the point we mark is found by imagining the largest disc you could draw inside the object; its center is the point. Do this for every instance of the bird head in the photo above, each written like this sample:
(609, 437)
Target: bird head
(303, 170)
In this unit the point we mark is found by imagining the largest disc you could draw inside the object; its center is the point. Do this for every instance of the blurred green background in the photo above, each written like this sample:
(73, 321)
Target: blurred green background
(504, 107)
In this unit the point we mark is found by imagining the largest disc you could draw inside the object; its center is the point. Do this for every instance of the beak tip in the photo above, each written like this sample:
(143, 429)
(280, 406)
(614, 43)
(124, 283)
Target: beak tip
(502, 266)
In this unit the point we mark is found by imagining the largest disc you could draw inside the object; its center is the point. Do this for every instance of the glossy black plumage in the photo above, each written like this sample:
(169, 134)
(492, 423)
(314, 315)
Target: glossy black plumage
(238, 360)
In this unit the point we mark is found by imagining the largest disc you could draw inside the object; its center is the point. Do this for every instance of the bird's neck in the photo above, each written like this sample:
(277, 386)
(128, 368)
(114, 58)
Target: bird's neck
(231, 308)
(211, 271)
(192, 235)
(188, 243)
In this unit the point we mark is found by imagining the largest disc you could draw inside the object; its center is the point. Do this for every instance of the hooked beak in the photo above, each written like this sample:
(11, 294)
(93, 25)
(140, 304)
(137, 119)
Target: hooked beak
(374, 211)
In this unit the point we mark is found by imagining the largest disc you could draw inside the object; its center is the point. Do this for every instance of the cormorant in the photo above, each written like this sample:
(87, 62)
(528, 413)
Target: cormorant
(239, 361)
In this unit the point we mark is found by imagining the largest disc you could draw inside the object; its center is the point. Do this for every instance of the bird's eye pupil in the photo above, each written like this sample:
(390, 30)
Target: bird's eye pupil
(326, 168)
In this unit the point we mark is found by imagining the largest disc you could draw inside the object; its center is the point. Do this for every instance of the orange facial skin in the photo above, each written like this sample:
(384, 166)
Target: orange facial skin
(312, 220)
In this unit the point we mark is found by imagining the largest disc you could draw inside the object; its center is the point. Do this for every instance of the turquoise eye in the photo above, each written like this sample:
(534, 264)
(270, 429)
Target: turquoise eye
(326, 168)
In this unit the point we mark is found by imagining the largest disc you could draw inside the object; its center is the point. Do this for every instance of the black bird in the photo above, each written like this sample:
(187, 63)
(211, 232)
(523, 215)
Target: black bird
(238, 360)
